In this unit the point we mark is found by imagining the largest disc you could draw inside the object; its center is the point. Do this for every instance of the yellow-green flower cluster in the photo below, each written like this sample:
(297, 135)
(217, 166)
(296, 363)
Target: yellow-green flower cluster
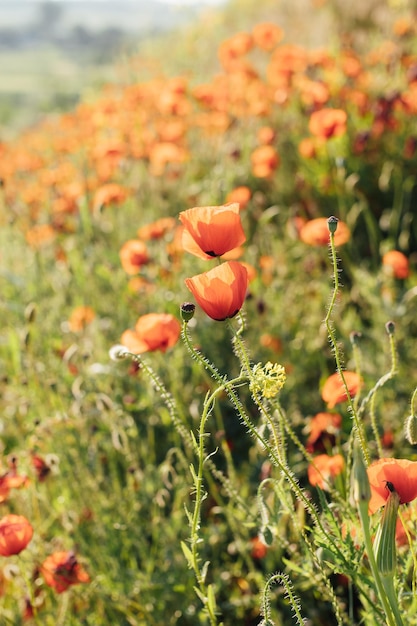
(267, 379)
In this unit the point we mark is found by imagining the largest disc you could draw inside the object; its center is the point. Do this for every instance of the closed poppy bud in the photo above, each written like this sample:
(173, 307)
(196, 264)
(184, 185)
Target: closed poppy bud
(215, 229)
(332, 223)
(360, 487)
(390, 328)
(221, 291)
(386, 554)
(15, 534)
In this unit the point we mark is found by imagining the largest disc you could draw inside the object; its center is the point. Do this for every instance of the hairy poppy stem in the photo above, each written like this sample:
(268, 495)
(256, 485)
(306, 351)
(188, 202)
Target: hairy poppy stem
(332, 337)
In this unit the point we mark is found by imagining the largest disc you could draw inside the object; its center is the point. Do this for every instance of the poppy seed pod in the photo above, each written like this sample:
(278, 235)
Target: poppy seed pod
(187, 311)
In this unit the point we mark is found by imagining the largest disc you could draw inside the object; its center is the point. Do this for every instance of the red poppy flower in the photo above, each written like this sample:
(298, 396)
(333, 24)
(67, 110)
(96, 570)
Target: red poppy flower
(333, 390)
(267, 35)
(259, 548)
(61, 570)
(322, 429)
(400, 473)
(154, 331)
(323, 468)
(265, 160)
(221, 291)
(396, 263)
(316, 232)
(157, 229)
(15, 534)
(215, 229)
(241, 195)
(327, 123)
(80, 317)
(133, 254)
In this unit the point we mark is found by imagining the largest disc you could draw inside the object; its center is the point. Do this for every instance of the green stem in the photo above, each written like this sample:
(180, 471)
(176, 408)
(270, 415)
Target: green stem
(333, 341)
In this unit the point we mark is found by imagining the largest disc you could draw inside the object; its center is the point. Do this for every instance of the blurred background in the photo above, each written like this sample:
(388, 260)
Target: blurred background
(51, 51)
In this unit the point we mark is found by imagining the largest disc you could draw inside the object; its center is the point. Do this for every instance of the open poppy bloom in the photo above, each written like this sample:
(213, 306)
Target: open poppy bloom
(264, 160)
(396, 263)
(80, 317)
(154, 331)
(322, 430)
(221, 291)
(334, 391)
(110, 193)
(215, 229)
(157, 229)
(328, 122)
(133, 254)
(323, 468)
(61, 570)
(401, 474)
(316, 232)
(15, 534)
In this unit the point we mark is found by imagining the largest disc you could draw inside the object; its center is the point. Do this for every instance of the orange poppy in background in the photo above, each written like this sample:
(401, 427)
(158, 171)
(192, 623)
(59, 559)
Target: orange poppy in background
(327, 123)
(334, 391)
(241, 195)
(316, 232)
(157, 229)
(111, 193)
(215, 229)
(307, 148)
(323, 468)
(15, 534)
(81, 317)
(40, 235)
(61, 570)
(233, 48)
(11, 480)
(133, 254)
(259, 549)
(265, 161)
(154, 331)
(401, 474)
(322, 430)
(265, 135)
(267, 35)
(221, 291)
(396, 263)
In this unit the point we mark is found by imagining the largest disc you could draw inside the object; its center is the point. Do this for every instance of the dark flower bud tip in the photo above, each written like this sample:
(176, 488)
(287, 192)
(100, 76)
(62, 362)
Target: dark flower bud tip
(390, 328)
(187, 310)
(332, 224)
(355, 337)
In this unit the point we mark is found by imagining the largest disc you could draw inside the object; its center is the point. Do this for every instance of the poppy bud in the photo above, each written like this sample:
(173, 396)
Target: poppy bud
(187, 311)
(360, 487)
(332, 224)
(390, 328)
(355, 337)
(386, 554)
(411, 429)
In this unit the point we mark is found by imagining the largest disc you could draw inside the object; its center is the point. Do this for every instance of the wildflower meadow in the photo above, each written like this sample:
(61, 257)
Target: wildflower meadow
(208, 357)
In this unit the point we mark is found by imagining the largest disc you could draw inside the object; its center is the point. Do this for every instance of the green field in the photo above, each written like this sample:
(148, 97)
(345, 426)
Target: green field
(208, 325)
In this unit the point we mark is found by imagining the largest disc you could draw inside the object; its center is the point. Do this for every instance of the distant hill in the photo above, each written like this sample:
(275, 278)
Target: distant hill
(95, 15)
